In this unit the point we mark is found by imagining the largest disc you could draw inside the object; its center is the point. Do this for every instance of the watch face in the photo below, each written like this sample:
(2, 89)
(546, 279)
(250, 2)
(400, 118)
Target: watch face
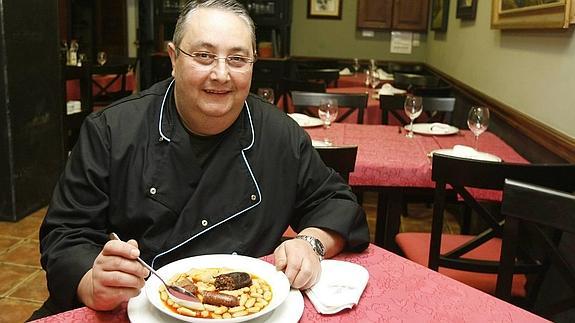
(316, 244)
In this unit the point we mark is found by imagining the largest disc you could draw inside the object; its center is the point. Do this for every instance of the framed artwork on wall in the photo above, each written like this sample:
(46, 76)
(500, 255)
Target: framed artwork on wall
(324, 9)
(519, 14)
(466, 9)
(439, 15)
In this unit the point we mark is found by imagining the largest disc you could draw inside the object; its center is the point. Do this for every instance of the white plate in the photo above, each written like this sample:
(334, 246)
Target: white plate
(434, 129)
(470, 154)
(140, 310)
(264, 270)
(306, 121)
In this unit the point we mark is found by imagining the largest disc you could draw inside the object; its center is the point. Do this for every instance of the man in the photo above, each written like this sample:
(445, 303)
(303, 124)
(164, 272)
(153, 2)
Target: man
(192, 166)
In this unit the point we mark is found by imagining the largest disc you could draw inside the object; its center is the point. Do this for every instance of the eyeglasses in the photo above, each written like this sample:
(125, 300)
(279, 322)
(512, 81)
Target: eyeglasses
(206, 60)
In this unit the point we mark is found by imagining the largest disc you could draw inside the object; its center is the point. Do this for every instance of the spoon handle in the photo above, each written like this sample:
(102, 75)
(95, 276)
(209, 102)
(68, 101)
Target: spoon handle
(114, 236)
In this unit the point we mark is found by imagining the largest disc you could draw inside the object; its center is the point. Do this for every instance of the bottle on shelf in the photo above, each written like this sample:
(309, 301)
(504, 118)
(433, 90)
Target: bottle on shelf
(73, 53)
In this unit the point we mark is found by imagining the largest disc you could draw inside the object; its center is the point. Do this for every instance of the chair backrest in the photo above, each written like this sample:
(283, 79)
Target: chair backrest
(433, 91)
(302, 101)
(408, 80)
(462, 174)
(340, 158)
(108, 90)
(288, 85)
(542, 209)
(438, 109)
(328, 76)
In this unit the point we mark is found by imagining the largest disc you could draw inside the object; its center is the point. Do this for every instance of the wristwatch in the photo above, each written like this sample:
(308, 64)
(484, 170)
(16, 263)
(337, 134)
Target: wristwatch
(315, 244)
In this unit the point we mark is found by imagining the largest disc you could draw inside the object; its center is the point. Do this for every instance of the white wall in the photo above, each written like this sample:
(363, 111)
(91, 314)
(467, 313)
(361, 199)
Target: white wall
(531, 71)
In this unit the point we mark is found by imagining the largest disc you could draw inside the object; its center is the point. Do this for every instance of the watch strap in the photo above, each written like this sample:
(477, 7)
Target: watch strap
(315, 244)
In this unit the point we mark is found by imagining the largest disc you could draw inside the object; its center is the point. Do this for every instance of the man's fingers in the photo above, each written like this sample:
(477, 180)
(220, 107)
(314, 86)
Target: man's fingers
(280, 257)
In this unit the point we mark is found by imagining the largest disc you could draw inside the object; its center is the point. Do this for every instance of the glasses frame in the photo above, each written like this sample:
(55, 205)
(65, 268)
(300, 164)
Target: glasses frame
(215, 58)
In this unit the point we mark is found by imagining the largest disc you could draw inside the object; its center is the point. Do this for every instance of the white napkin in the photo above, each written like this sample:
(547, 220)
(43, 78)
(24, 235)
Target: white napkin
(468, 152)
(388, 89)
(339, 287)
(345, 71)
(440, 128)
(383, 75)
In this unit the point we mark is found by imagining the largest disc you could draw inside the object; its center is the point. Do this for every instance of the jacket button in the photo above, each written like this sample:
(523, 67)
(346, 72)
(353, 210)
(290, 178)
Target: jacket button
(234, 253)
(205, 223)
(254, 197)
(153, 190)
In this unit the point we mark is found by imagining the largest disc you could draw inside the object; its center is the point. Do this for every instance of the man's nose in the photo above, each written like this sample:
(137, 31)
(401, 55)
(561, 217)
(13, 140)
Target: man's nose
(220, 70)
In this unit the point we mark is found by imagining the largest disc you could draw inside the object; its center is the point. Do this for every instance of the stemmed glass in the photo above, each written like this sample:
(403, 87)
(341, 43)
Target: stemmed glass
(373, 78)
(356, 65)
(478, 121)
(101, 58)
(327, 111)
(413, 106)
(267, 94)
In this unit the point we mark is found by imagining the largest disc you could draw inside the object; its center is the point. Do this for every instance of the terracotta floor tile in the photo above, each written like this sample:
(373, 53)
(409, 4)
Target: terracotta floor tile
(25, 227)
(10, 275)
(7, 242)
(35, 289)
(16, 310)
(26, 253)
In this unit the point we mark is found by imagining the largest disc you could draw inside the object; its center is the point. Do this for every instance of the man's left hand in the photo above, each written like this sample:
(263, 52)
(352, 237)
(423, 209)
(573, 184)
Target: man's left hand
(299, 262)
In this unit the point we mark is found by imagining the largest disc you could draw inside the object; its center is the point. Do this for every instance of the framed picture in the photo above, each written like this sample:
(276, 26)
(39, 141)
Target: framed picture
(324, 9)
(520, 14)
(439, 15)
(466, 9)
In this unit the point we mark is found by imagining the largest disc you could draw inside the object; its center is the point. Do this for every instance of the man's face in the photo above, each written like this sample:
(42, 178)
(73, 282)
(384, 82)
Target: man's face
(217, 91)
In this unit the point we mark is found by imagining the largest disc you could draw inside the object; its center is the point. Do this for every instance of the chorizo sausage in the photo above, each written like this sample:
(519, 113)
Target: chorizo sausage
(219, 299)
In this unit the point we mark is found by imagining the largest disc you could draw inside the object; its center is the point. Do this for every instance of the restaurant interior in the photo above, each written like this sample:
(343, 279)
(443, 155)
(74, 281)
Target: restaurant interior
(488, 83)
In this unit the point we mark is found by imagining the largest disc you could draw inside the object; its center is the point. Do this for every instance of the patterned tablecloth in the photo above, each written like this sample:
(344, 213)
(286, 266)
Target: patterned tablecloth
(398, 290)
(73, 86)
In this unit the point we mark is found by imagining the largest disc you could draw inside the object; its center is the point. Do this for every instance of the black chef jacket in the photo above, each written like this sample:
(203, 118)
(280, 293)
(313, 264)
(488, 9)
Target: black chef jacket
(133, 171)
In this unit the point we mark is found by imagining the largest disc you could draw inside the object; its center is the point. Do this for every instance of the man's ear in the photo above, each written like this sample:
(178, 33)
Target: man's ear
(172, 53)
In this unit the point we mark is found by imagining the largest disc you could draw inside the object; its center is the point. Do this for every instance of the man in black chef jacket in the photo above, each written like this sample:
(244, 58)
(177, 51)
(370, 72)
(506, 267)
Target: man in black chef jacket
(194, 165)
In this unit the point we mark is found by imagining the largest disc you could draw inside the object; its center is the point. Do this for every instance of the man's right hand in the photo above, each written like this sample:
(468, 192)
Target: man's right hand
(115, 277)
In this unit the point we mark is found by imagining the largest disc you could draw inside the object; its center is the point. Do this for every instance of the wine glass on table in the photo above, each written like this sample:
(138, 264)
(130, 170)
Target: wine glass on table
(478, 121)
(356, 65)
(327, 111)
(413, 106)
(101, 58)
(373, 79)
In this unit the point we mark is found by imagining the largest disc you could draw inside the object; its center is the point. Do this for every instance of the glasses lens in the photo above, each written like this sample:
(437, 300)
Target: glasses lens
(206, 61)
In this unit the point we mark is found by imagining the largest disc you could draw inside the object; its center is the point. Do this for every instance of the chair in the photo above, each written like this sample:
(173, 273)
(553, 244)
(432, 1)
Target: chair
(407, 81)
(474, 259)
(340, 158)
(438, 109)
(352, 101)
(548, 213)
(73, 122)
(327, 76)
(288, 85)
(107, 91)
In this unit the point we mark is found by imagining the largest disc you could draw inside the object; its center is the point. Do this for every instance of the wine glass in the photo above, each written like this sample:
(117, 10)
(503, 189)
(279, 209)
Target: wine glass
(267, 94)
(413, 106)
(478, 121)
(327, 111)
(356, 65)
(373, 78)
(101, 58)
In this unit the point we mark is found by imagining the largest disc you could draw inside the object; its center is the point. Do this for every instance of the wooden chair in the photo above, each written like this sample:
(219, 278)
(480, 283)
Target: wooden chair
(288, 85)
(438, 109)
(474, 259)
(340, 158)
(106, 93)
(302, 101)
(327, 76)
(407, 81)
(548, 213)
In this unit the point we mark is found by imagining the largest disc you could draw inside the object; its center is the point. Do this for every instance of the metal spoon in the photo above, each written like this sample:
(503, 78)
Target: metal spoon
(177, 293)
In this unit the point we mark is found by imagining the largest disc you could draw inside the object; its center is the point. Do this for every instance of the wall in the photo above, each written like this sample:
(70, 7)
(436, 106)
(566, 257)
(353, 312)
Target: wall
(340, 39)
(531, 71)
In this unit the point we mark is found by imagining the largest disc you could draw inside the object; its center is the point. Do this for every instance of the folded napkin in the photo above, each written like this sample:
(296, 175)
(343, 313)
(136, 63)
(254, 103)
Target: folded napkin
(388, 89)
(339, 287)
(440, 128)
(383, 75)
(468, 152)
(345, 71)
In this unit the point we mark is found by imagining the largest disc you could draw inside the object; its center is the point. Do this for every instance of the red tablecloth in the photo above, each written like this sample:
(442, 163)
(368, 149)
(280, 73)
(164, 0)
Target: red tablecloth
(398, 290)
(387, 158)
(73, 86)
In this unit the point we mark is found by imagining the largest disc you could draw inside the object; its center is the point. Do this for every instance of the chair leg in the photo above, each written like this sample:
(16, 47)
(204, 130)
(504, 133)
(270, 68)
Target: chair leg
(466, 219)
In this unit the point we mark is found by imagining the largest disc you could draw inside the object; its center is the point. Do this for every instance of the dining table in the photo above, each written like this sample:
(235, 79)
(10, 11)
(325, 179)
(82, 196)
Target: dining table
(393, 165)
(73, 90)
(398, 290)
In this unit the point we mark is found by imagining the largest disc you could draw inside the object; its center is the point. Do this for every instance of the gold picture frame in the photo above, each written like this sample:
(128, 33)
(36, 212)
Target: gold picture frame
(534, 14)
(324, 9)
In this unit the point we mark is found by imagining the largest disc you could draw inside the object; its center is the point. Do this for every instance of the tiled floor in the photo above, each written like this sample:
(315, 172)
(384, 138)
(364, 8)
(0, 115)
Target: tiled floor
(23, 282)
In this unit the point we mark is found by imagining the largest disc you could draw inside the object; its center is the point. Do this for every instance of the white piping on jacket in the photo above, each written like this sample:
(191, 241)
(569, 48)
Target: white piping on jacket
(162, 113)
(236, 214)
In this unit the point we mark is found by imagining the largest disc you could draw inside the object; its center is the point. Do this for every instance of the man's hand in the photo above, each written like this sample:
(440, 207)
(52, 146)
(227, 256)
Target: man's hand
(115, 277)
(299, 262)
